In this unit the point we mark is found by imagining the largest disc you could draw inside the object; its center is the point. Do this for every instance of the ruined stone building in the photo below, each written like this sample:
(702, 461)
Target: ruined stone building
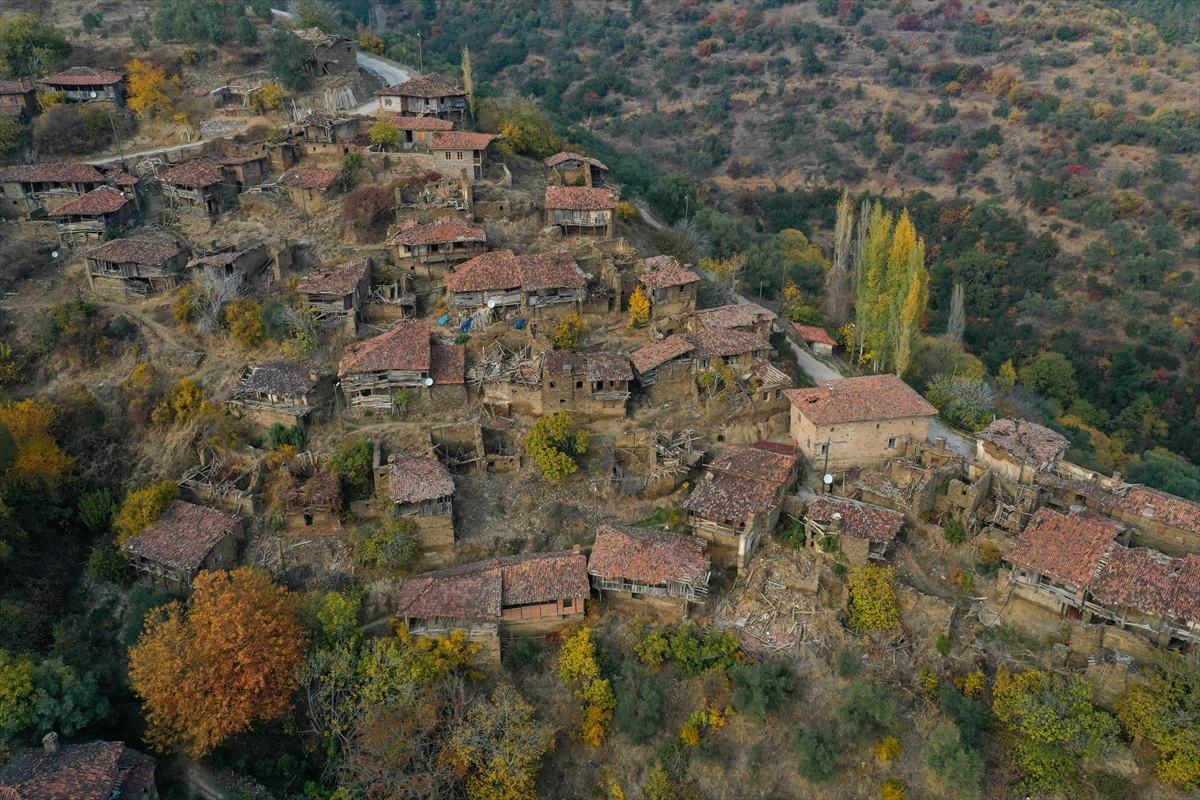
(502, 281)
(328, 53)
(581, 210)
(309, 188)
(745, 317)
(93, 216)
(87, 85)
(1055, 558)
(308, 493)
(572, 169)
(94, 771)
(713, 348)
(245, 170)
(448, 240)
(284, 393)
(199, 185)
(245, 260)
(30, 188)
(401, 368)
(136, 266)
(859, 530)
(1017, 450)
(186, 539)
(461, 152)
(425, 96)
(664, 370)
(416, 133)
(423, 490)
(18, 99)
(595, 385)
(339, 290)
(647, 568)
(672, 292)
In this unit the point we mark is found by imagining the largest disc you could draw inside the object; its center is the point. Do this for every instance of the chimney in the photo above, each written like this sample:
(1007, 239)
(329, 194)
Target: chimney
(376, 454)
(313, 375)
(576, 549)
(50, 742)
(835, 523)
(1116, 477)
(708, 476)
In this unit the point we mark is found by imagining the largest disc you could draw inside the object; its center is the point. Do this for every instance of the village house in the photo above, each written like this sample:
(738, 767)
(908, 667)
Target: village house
(713, 348)
(199, 185)
(572, 169)
(595, 385)
(1148, 593)
(500, 280)
(18, 99)
(530, 594)
(93, 216)
(446, 241)
(338, 291)
(671, 290)
(416, 133)
(329, 54)
(425, 96)
(94, 771)
(246, 170)
(648, 568)
(281, 392)
(397, 369)
(1055, 558)
(431, 200)
(87, 85)
(422, 489)
(245, 261)
(739, 499)
(29, 188)
(461, 151)
(856, 422)
(322, 131)
(582, 211)
(308, 493)
(664, 369)
(861, 531)
(186, 539)
(816, 339)
(745, 317)
(1017, 450)
(136, 266)
(309, 188)
(1159, 520)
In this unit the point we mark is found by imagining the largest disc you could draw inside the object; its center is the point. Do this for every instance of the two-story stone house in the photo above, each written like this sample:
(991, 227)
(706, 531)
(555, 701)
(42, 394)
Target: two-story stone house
(425, 96)
(581, 210)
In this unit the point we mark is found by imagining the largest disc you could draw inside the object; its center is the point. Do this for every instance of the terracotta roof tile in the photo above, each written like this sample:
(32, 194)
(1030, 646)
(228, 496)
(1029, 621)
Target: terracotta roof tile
(84, 76)
(655, 355)
(310, 178)
(608, 367)
(760, 463)
(341, 280)
(1027, 441)
(724, 343)
(1163, 508)
(550, 271)
(51, 173)
(414, 480)
(281, 378)
(651, 558)
(194, 174)
(501, 270)
(404, 347)
(104, 200)
(664, 271)
(134, 251)
(860, 520)
(739, 315)
(731, 497)
(447, 364)
(1067, 548)
(420, 123)
(581, 198)
(431, 85)
(559, 362)
(94, 771)
(1137, 578)
(859, 400)
(483, 589)
(558, 158)
(811, 333)
(447, 229)
(183, 536)
(1187, 593)
(461, 140)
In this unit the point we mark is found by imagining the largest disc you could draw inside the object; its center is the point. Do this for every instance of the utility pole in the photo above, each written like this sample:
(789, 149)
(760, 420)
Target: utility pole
(825, 470)
(125, 167)
(420, 54)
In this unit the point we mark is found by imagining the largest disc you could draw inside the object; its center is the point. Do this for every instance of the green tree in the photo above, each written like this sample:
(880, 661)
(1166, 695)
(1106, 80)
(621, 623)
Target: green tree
(871, 309)
(30, 47)
(1164, 470)
(67, 701)
(285, 60)
(352, 463)
(295, 436)
(394, 543)
(500, 747)
(819, 750)
(190, 21)
(18, 693)
(1052, 376)
(946, 756)
(1166, 713)
(672, 196)
(868, 711)
(11, 135)
(639, 703)
(96, 511)
(759, 689)
(555, 445)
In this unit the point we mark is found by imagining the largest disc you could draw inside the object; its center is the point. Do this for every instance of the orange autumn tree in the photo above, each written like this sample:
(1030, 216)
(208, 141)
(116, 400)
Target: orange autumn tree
(213, 667)
(39, 461)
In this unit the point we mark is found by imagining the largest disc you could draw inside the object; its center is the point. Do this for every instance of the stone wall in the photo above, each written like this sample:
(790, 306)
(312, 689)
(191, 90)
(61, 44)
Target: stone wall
(436, 532)
(856, 444)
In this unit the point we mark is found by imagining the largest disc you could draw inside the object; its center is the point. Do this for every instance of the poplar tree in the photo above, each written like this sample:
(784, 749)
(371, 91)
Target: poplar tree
(896, 281)
(468, 80)
(837, 281)
(915, 301)
(873, 287)
(958, 315)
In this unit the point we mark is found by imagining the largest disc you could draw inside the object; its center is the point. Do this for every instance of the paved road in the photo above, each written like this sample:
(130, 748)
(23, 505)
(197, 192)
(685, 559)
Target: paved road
(816, 369)
(954, 441)
(158, 151)
(391, 72)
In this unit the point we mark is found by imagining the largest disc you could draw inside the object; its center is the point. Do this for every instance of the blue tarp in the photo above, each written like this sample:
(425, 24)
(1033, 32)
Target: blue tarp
(466, 326)
(443, 319)
(521, 324)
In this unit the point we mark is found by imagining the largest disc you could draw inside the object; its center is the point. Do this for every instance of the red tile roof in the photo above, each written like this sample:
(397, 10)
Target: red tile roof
(104, 200)
(651, 558)
(461, 140)
(404, 347)
(420, 123)
(859, 520)
(447, 229)
(19, 86)
(550, 271)
(415, 480)
(447, 364)
(341, 280)
(558, 158)
(500, 270)
(580, 198)
(739, 315)
(811, 333)
(310, 178)
(431, 85)
(1137, 578)
(134, 251)
(766, 464)
(725, 342)
(1163, 508)
(483, 589)
(94, 771)
(1068, 548)
(183, 536)
(1027, 441)
(860, 399)
(608, 367)
(664, 271)
(655, 355)
(731, 497)
(51, 173)
(194, 174)
(1187, 595)
(84, 76)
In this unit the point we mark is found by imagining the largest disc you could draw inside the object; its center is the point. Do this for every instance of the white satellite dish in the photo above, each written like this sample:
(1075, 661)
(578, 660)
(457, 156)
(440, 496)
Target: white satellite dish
(429, 381)
(54, 254)
(94, 95)
(491, 303)
(828, 479)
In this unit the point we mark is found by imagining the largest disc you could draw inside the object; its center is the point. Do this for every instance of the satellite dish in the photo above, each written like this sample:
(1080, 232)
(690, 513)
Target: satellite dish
(828, 479)
(94, 95)
(491, 303)
(429, 381)
(54, 254)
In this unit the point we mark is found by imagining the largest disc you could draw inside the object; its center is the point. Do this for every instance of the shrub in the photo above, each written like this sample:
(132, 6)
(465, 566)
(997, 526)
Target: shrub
(394, 543)
(352, 463)
(944, 111)
(639, 703)
(520, 653)
(819, 751)
(109, 565)
(760, 688)
(367, 209)
(947, 757)
(245, 323)
(96, 511)
(943, 644)
(953, 532)
(278, 436)
(717, 650)
(975, 39)
(967, 712)
(846, 663)
(888, 748)
(893, 789)
(868, 710)
(555, 445)
(873, 603)
(627, 211)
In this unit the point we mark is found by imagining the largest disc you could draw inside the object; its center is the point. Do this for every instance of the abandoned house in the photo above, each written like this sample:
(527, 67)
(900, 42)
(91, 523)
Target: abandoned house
(713, 348)
(856, 422)
(572, 169)
(503, 281)
(93, 216)
(308, 493)
(97, 770)
(461, 151)
(425, 96)
(199, 185)
(136, 266)
(528, 594)
(1150, 593)
(309, 187)
(446, 241)
(329, 54)
(746, 317)
(1017, 450)
(186, 539)
(433, 199)
(1159, 520)
(671, 290)
(416, 133)
(422, 489)
(664, 369)
(320, 130)
(648, 567)
(582, 211)
(1054, 559)
(281, 392)
(29, 188)
(245, 261)
(816, 339)
(246, 170)
(739, 499)
(87, 85)
(338, 291)
(394, 370)
(596, 384)
(18, 99)
(861, 531)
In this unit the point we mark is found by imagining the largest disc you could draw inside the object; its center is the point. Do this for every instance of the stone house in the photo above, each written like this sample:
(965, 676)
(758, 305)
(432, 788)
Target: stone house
(445, 241)
(309, 188)
(199, 185)
(739, 500)
(422, 489)
(308, 493)
(321, 130)
(859, 530)
(671, 290)
(416, 133)
(425, 96)
(329, 54)
(186, 539)
(246, 170)
(136, 266)
(572, 169)
(642, 567)
(745, 317)
(500, 280)
(87, 85)
(1149, 593)
(281, 392)
(246, 261)
(94, 771)
(595, 385)
(436, 199)
(856, 422)
(93, 216)
(399, 368)
(1159, 520)
(18, 99)
(461, 151)
(664, 370)
(582, 210)
(816, 339)
(525, 595)
(338, 291)
(713, 348)
(1055, 558)
(29, 188)
(1018, 450)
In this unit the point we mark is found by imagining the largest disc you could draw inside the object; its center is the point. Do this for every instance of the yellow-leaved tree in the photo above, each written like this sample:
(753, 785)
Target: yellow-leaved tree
(555, 444)
(579, 663)
(499, 746)
(142, 509)
(151, 91)
(1163, 714)
(639, 307)
(39, 461)
(873, 605)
